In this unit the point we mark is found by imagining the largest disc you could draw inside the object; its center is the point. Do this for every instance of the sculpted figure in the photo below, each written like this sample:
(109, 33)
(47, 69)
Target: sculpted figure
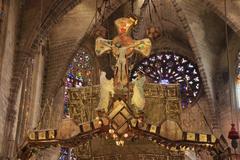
(138, 99)
(122, 48)
(106, 92)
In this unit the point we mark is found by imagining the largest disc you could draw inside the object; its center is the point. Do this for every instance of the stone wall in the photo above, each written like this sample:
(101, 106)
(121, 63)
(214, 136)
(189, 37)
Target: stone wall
(203, 28)
(222, 86)
(194, 118)
(7, 65)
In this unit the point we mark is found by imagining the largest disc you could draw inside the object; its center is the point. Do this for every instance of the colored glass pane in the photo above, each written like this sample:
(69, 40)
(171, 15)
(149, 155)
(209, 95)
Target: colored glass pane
(168, 67)
(79, 74)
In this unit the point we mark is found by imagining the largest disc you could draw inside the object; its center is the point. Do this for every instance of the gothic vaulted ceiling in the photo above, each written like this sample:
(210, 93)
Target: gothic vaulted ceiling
(198, 25)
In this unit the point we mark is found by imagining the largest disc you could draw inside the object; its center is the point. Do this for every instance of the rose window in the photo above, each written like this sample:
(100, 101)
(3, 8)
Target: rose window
(168, 67)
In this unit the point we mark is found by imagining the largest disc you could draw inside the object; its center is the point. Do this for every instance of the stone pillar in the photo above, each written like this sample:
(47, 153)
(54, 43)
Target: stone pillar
(26, 105)
(4, 6)
(17, 110)
(13, 116)
(8, 20)
(17, 121)
(38, 71)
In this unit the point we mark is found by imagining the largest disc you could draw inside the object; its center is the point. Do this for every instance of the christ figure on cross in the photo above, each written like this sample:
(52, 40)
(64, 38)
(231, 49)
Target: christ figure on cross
(122, 47)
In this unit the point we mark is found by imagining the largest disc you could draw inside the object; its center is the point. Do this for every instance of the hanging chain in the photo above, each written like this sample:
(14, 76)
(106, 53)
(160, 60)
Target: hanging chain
(149, 10)
(132, 6)
(160, 18)
(228, 61)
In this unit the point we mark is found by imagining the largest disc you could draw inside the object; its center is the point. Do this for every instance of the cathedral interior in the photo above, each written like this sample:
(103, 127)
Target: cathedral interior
(119, 79)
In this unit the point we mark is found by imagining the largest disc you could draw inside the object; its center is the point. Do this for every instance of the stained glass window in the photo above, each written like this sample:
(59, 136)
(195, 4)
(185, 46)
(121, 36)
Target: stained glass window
(64, 154)
(79, 74)
(238, 81)
(168, 67)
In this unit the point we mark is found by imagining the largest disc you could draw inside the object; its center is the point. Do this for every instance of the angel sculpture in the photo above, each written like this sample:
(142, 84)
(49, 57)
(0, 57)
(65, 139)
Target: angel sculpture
(138, 100)
(106, 92)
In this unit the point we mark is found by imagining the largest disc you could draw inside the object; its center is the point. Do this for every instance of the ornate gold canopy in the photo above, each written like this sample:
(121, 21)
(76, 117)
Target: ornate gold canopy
(159, 121)
(167, 133)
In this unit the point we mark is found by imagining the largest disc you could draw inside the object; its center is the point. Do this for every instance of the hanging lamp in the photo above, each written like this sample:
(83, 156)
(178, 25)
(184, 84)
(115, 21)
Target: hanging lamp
(234, 136)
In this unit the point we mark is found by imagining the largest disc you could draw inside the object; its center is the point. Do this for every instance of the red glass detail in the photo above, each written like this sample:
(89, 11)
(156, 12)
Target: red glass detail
(122, 30)
(233, 134)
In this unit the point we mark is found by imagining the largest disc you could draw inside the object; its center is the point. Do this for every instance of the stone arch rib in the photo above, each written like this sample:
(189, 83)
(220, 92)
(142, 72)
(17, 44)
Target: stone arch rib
(55, 11)
(74, 47)
(218, 7)
(208, 87)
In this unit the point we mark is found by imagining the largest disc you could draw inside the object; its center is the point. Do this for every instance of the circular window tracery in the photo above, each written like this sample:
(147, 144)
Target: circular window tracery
(168, 67)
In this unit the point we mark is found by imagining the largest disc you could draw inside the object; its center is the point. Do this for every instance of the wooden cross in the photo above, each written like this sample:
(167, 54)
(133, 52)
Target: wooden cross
(122, 47)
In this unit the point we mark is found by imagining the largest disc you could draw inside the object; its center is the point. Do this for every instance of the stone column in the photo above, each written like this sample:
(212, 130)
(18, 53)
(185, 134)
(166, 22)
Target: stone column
(18, 107)
(11, 118)
(9, 83)
(4, 7)
(38, 71)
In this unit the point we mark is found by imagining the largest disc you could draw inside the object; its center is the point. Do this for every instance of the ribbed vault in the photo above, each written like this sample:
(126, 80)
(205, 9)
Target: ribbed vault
(65, 39)
(233, 12)
(191, 24)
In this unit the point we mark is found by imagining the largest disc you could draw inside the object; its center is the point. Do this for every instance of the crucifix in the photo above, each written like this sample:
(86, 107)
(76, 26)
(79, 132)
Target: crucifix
(122, 47)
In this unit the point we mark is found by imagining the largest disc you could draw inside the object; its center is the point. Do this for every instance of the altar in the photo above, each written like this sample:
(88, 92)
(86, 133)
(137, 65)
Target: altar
(125, 117)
